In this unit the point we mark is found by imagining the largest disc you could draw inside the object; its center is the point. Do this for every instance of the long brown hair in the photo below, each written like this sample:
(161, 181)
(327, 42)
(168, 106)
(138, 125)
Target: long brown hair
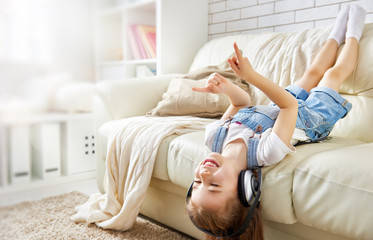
(222, 224)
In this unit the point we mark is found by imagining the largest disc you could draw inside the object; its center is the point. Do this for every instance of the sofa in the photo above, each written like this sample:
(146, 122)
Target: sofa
(322, 191)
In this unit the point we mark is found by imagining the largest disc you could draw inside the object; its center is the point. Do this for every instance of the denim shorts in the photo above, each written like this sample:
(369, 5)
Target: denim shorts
(319, 110)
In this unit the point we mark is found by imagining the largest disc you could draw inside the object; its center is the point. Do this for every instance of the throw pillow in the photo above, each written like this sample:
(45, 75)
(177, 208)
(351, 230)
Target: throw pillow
(180, 99)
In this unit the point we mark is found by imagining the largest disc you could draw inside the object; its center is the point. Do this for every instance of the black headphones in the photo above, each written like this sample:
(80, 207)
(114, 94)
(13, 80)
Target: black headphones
(249, 190)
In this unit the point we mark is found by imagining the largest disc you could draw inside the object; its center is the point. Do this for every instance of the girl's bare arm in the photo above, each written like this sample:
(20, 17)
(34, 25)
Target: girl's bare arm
(219, 85)
(285, 123)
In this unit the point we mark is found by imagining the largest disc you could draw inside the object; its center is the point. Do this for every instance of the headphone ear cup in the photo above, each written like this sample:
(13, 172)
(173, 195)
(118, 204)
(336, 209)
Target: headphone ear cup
(248, 187)
(243, 183)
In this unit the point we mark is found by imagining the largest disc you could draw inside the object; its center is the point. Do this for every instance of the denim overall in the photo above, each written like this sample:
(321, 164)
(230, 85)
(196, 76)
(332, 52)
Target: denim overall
(258, 119)
(318, 111)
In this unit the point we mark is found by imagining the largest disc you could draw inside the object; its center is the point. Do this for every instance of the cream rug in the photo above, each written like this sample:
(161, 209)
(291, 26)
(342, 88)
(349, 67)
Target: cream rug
(49, 218)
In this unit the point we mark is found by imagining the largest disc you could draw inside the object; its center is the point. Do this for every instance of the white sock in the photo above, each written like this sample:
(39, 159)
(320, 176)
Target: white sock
(339, 30)
(356, 20)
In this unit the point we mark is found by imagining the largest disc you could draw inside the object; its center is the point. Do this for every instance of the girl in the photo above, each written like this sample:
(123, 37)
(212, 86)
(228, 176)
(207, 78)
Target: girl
(252, 137)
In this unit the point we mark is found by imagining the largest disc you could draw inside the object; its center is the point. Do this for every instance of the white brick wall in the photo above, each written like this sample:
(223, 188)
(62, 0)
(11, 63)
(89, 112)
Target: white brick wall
(228, 17)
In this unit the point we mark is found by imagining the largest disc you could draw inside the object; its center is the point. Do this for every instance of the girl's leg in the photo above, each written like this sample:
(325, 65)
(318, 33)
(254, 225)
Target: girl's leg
(325, 59)
(346, 61)
(344, 66)
(322, 62)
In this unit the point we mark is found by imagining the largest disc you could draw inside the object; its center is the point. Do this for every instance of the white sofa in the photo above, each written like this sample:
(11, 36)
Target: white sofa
(323, 191)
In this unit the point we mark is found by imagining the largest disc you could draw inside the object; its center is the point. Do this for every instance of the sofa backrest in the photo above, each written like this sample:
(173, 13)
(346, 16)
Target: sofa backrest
(283, 58)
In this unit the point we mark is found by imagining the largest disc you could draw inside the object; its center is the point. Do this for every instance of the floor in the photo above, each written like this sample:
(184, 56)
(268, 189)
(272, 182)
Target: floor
(87, 186)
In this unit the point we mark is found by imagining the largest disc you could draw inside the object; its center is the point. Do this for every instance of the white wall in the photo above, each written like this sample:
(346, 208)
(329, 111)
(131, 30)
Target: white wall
(228, 17)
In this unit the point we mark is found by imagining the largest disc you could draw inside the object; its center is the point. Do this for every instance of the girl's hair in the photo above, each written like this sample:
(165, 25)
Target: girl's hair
(222, 224)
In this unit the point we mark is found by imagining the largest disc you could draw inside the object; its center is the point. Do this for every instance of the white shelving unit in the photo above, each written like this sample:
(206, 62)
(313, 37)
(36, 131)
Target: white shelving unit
(45, 149)
(181, 29)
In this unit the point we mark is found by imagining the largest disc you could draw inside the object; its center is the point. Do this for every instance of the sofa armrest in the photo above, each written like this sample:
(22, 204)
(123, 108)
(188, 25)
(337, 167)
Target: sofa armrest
(130, 97)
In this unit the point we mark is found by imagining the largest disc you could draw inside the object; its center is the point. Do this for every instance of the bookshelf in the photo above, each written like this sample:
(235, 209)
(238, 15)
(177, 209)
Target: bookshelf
(181, 28)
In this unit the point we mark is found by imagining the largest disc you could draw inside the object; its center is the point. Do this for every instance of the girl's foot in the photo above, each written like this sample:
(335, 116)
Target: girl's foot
(339, 30)
(356, 20)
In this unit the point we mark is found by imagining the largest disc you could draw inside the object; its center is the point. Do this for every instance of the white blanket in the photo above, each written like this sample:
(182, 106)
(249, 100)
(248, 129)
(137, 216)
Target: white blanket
(129, 164)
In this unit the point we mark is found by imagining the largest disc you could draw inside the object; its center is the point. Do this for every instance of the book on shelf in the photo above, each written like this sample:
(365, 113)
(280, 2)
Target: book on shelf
(142, 40)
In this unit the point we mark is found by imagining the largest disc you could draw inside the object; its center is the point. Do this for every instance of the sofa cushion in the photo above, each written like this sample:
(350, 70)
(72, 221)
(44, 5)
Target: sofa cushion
(277, 188)
(358, 120)
(333, 191)
(283, 57)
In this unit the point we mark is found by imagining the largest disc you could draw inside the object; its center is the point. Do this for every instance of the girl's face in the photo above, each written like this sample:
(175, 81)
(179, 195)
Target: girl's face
(215, 182)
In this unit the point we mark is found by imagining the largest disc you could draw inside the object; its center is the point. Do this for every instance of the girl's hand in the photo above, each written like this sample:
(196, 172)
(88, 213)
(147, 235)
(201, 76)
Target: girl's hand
(215, 84)
(241, 65)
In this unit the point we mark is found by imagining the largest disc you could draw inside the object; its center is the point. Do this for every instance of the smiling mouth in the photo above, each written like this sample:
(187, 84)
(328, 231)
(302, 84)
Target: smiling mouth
(210, 163)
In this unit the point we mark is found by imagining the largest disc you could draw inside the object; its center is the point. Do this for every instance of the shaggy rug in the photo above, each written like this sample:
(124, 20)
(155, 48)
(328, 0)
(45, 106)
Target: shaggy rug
(49, 218)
